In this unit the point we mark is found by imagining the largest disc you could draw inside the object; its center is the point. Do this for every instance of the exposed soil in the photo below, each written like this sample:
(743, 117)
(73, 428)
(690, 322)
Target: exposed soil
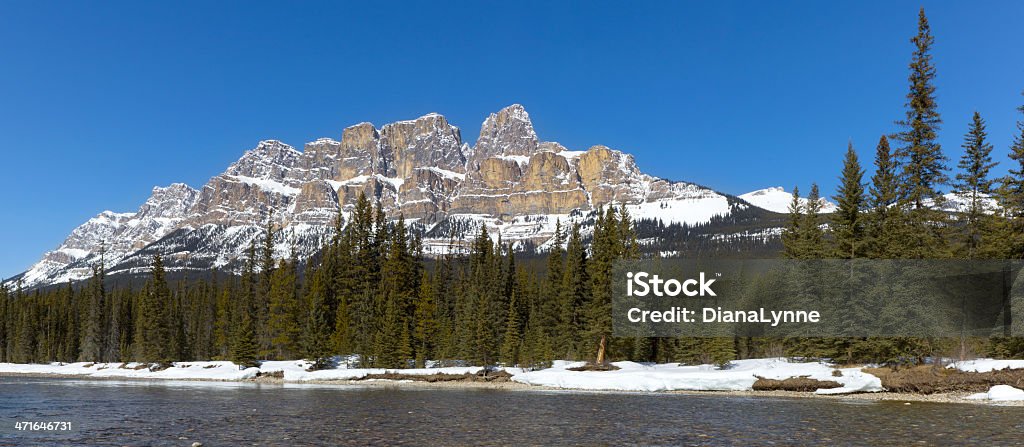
(929, 379)
(803, 384)
(595, 367)
(482, 376)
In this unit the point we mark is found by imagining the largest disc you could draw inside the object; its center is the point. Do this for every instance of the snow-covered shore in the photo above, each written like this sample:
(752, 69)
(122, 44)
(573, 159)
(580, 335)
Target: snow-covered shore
(738, 377)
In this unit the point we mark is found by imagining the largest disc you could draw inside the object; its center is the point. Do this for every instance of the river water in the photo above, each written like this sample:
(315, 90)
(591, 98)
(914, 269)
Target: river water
(225, 413)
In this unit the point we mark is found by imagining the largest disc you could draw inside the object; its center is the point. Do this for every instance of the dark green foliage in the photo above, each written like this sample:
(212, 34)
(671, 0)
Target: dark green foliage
(848, 220)
(884, 216)
(975, 186)
(921, 155)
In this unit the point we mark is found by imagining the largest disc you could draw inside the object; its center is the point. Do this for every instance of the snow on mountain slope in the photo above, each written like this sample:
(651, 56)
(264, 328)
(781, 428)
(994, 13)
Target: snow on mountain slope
(777, 200)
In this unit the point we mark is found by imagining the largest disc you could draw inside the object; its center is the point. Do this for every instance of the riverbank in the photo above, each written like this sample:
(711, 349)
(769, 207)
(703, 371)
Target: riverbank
(755, 378)
(882, 396)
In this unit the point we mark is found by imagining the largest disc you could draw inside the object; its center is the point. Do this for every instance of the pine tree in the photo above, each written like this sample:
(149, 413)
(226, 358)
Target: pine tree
(974, 185)
(920, 155)
(791, 235)
(316, 343)
(284, 324)
(549, 308)
(154, 321)
(812, 238)
(883, 219)
(848, 219)
(425, 335)
(512, 339)
(1011, 196)
(245, 349)
(94, 332)
(574, 294)
(261, 302)
(224, 320)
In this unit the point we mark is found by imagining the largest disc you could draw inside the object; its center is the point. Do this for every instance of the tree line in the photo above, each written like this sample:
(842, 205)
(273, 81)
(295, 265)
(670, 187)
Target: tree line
(369, 295)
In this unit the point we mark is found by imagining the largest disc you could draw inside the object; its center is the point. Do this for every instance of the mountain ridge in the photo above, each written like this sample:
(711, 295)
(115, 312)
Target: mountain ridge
(421, 169)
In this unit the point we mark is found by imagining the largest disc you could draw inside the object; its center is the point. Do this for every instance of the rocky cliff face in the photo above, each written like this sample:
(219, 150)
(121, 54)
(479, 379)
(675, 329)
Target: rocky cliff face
(421, 169)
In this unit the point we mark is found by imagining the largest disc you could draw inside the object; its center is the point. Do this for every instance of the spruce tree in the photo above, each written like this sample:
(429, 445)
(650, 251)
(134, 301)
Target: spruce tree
(574, 294)
(284, 323)
(883, 219)
(512, 339)
(425, 335)
(94, 331)
(1011, 195)
(245, 349)
(812, 238)
(317, 335)
(920, 155)
(848, 219)
(792, 243)
(974, 185)
(155, 343)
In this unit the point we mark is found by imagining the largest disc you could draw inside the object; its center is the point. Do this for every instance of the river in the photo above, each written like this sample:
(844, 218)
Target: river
(232, 413)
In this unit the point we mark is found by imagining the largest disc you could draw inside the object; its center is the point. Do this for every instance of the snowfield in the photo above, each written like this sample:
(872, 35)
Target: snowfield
(739, 376)
(630, 376)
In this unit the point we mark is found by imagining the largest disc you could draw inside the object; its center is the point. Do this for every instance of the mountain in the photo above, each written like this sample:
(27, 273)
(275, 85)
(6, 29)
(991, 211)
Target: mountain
(776, 199)
(422, 169)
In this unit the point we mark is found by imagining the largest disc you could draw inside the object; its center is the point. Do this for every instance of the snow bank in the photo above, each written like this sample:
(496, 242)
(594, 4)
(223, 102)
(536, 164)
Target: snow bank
(630, 376)
(986, 365)
(294, 370)
(739, 376)
(180, 370)
(1000, 393)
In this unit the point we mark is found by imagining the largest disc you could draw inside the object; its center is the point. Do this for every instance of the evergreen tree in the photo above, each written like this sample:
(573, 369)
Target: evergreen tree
(284, 324)
(316, 346)
(920, 155)
(791, 235)
(262, 298)
(574, 294)
(883, 219)
(94, 332)
(426, 332)
(154, 322)
(1011, 196)
(974, 185)
(512, 339)
(848, 219)
(244, 350)
(812, 238)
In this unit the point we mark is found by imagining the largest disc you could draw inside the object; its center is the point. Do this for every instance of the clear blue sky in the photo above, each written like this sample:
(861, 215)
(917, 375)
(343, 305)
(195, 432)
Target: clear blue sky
(100, 101)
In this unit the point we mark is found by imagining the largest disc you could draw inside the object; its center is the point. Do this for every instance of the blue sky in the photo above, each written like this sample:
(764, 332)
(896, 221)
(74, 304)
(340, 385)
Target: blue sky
(99, 102)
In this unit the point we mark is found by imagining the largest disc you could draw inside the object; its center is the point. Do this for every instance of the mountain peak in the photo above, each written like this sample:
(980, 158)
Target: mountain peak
(507, 132)
(777, 199)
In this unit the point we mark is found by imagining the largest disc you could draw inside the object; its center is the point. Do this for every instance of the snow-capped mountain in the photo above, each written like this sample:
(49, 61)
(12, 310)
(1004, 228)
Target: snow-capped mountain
(777, 199)
(509, 180)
